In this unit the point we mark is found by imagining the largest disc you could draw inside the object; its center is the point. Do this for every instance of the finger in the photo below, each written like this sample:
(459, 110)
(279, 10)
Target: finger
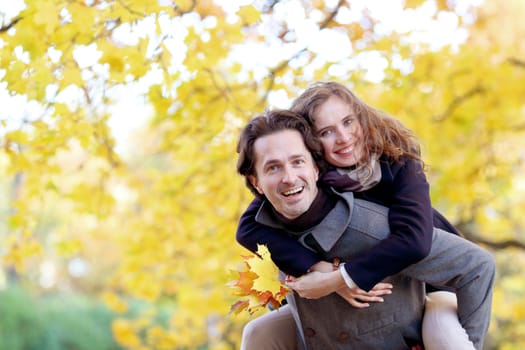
(366, 298)
(377, 292)
(296, 286)
(359, 300)
(290, 278)
(357, 304)
(291, 284)
(381, 286)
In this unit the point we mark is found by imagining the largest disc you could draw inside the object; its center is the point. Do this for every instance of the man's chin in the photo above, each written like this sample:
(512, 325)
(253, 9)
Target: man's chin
(292, 213)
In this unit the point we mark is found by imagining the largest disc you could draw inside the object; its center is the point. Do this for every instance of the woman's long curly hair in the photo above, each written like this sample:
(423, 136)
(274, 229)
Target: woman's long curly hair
(382, 133)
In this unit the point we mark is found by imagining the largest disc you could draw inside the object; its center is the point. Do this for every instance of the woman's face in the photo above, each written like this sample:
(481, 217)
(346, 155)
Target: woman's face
(337, 127)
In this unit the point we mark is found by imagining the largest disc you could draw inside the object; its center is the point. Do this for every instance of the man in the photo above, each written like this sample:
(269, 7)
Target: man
(275, 156)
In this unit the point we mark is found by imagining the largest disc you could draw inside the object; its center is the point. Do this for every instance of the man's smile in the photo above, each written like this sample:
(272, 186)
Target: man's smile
(292, 191)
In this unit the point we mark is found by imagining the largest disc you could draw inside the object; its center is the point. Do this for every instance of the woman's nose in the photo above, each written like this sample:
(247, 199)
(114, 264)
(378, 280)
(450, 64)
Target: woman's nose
(342, 136)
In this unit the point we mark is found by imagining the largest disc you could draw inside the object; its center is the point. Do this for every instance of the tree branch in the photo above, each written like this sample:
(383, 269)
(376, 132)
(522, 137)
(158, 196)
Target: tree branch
(332, 15)
(516, 62)
(8, 26)
(284, 64)
(129, 9)
(456, 102)
(496, 245)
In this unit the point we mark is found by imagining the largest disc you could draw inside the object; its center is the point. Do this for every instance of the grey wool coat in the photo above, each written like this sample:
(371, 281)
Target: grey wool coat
(354, 226)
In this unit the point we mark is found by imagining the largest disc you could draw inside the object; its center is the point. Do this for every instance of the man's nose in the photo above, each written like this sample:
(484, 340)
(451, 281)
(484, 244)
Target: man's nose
(289, 175)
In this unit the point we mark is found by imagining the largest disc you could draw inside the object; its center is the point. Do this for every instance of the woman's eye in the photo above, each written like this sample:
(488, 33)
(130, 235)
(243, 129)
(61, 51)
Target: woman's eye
(325, 133)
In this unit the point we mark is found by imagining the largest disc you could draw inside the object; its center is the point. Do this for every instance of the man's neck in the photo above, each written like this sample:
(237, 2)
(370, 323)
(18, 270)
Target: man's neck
(323, 203)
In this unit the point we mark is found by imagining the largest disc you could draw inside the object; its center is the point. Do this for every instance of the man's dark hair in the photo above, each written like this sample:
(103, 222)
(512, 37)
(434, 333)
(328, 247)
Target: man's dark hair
(268, 123)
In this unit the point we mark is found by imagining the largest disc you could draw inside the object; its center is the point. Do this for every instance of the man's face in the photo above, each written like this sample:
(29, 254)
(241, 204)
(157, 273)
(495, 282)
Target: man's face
(285, 172)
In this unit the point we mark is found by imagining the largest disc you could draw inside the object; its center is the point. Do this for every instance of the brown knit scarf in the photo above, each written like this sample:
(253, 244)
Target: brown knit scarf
(356, 179)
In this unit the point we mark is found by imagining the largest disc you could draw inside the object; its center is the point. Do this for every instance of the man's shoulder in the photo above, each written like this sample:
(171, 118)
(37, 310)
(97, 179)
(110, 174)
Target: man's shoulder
(362, 204)
(266, 216)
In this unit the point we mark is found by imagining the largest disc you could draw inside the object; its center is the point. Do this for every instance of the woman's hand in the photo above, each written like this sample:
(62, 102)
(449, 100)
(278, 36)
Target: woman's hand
(360, 299)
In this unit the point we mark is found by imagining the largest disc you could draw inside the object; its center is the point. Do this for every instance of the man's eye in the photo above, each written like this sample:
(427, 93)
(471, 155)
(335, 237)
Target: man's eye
(299, 161)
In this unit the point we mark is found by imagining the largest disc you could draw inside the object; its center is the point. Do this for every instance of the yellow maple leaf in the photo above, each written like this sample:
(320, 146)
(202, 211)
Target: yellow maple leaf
(257, 283)
(46, 14)
(266, 271)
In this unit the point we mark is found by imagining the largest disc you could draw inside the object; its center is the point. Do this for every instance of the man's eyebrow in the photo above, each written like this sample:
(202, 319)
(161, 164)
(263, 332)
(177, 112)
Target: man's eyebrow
(278, 161)
(295, 156)
(271, 162)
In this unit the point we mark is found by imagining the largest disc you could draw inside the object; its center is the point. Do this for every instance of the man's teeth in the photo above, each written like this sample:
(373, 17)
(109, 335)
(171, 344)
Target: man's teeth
(293, 191)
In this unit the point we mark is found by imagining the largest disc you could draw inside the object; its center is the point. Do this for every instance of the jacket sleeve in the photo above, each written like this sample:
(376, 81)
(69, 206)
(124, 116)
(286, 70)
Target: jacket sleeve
(411, 224)
(287, 253)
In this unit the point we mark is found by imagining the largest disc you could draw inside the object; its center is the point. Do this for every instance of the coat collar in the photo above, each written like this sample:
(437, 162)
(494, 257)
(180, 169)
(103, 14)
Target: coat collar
(328, 231)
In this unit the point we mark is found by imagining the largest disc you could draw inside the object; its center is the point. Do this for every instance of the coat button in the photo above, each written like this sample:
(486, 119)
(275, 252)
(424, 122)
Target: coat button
(343, 337)
(309, 332)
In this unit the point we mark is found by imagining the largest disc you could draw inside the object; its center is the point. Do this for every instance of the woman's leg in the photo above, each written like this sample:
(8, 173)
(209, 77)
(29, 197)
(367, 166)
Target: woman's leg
(441, 327)
(272, 331)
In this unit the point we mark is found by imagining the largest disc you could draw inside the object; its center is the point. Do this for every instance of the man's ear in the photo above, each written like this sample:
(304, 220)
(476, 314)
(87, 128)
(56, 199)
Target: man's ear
(253, 181)
(316, 172)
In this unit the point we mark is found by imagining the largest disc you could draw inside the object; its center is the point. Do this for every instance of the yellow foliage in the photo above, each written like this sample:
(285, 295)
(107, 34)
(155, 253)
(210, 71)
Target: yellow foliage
(12, 76)
(114, 302)
(249, 14)
(25, 36)
(413, 3)
(125, 333)
(19, 252)
(157, 220)
(86, 22)
(46, 14)
(143, 7)
(161, 339)
(142, 285)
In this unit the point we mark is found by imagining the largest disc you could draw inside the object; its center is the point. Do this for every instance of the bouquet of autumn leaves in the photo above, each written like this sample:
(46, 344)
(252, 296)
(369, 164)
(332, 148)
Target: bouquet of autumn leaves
(257, 283)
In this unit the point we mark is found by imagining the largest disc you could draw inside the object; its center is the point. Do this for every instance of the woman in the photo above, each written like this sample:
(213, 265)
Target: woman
(375, 156)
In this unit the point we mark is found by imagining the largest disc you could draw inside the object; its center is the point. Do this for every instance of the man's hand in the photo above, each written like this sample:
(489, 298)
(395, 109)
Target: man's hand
(322, 266)
(319, 283)
(316, 284)
(360, 299)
